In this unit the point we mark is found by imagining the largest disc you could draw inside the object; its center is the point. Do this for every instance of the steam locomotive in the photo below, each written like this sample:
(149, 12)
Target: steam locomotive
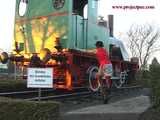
(56, 34)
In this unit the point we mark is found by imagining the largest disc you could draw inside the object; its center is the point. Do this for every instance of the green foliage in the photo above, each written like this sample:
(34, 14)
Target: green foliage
(28, 110)
(150, 114)
(12, 85)
(143, 78)
(155, 84)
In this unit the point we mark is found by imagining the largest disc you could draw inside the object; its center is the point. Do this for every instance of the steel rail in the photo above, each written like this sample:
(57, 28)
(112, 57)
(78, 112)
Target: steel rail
(81, 93)
(33, 91)
(59, 96)
(126, 88)
(114, 92)
(24, 92)
(130, 87)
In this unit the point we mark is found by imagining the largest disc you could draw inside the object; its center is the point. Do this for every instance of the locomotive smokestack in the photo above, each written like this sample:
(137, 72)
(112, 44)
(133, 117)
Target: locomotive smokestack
(110, 25)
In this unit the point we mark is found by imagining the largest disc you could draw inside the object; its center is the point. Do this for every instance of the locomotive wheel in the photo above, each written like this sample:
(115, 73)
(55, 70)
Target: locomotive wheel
(121, 81)
(123, 77)
(94, 83)
(117, 83)
(4, 57)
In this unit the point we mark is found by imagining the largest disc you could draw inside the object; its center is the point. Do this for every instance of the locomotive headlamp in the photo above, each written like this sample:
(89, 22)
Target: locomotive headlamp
(4, 57)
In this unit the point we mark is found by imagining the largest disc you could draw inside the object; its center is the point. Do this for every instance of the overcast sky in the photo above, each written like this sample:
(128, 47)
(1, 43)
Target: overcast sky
(123, 18)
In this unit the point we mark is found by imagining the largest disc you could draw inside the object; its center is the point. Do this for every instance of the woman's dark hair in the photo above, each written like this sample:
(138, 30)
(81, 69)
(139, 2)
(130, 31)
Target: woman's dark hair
(99, 44)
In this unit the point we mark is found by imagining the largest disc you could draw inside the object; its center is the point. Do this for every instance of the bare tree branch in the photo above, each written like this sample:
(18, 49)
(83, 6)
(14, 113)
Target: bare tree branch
(142, 42)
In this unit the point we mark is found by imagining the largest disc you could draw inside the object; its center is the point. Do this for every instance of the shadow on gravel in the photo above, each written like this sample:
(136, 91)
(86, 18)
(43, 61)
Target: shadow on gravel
(150, 114)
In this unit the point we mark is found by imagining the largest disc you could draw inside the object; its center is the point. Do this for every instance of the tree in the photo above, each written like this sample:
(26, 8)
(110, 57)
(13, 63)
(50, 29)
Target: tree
(154, 82)
(155, 61)
(143, 42)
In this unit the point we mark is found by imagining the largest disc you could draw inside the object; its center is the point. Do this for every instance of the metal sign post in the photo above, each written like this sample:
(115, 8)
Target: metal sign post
(15, 70)
(39, 94)
(40, 78)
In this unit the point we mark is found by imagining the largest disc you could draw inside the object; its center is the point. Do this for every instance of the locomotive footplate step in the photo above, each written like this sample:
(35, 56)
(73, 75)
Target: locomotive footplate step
(129, 109)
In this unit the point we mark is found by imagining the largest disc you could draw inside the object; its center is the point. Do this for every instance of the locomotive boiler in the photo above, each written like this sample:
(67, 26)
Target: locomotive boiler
(55, 33)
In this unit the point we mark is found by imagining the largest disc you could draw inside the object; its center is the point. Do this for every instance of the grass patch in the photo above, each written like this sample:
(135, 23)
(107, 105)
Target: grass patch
(12, 109)
(12, 85)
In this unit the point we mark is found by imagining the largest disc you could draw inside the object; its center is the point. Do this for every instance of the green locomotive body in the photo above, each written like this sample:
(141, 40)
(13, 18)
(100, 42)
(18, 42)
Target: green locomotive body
(38, 26)
(60, 34)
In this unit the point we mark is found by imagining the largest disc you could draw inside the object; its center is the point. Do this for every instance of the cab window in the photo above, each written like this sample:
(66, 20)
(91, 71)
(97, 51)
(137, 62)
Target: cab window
(23, 4)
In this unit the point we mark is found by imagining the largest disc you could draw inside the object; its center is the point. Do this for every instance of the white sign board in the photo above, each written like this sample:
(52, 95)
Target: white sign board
(40, 78)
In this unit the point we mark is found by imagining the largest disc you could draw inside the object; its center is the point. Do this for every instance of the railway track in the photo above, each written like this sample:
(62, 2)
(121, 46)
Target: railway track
(63, 96)
(126, 89)
(22, 92)
(47, 94)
